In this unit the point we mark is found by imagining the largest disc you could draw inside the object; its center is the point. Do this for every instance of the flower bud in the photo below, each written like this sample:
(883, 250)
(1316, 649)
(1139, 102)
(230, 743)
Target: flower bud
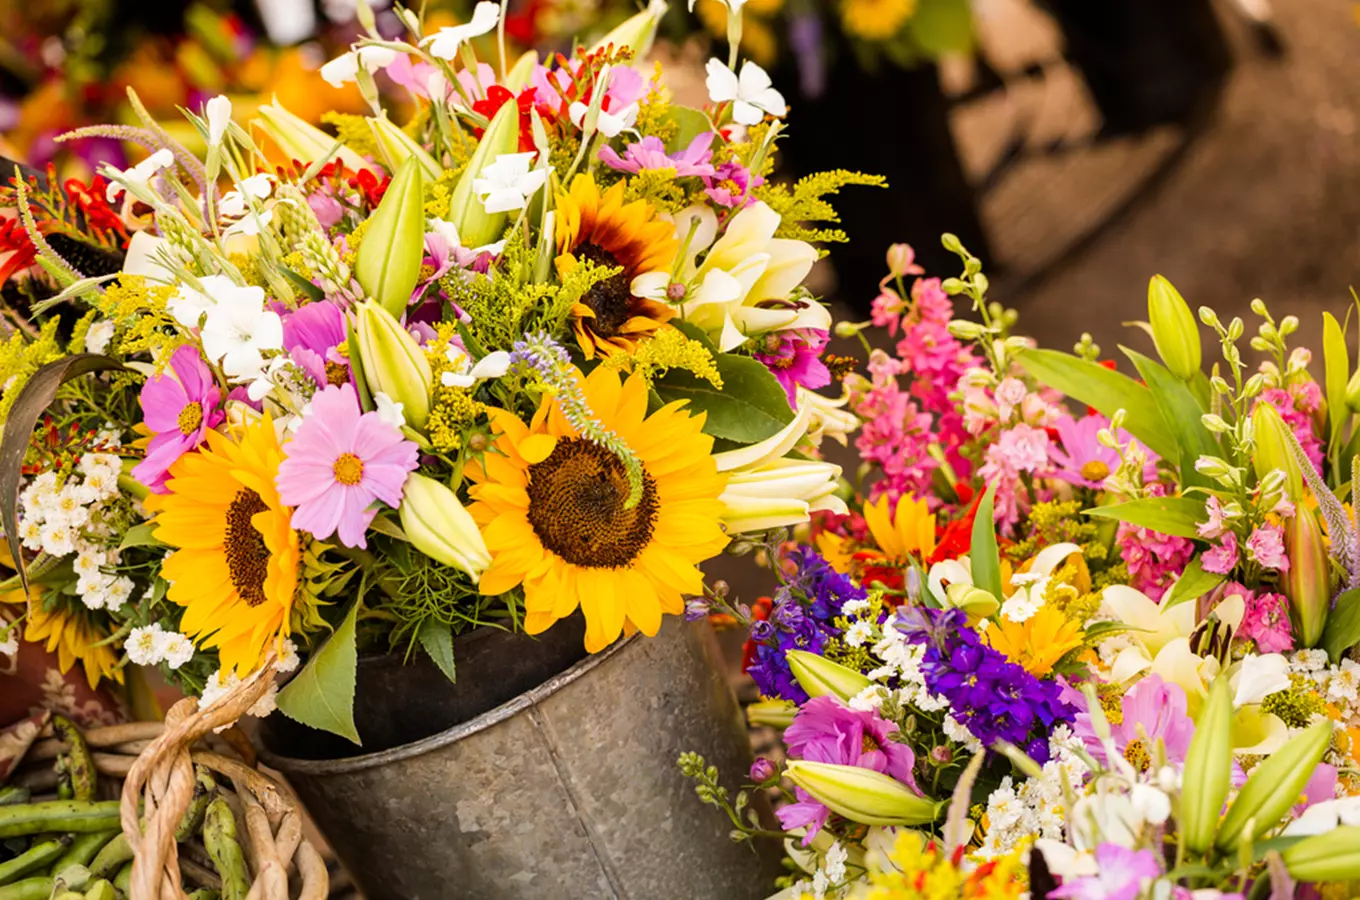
(974, 601)
(1308, 581)
(1274, 786)
(477, 227)
(300, 140)
(862, 795)
(1331, 856)
(388, 262)
(762, 770)
(902, 260)
(1274, 450)
(393, 362)
(820, 676)
(635, 32)
(771, 713)
(779, 494)
(438, 526)
(1174, 330)
(1208, 769)
(398, 147)
(1353, 392)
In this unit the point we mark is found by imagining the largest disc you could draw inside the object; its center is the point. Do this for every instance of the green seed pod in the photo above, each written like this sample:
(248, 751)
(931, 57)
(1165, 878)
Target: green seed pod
(1274, 786)
(388, 262)
(1174, 329)
(1208, 770)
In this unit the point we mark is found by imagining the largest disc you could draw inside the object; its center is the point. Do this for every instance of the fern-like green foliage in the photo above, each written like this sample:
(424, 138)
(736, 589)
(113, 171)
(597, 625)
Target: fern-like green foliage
(803, 203)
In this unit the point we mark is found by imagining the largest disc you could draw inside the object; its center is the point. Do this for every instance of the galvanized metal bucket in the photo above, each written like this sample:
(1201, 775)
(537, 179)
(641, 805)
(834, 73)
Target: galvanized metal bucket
(567, 791)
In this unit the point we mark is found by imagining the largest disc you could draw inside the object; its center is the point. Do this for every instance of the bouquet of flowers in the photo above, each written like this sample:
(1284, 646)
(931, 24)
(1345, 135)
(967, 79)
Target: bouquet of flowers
(1094, 651)
(539, 352)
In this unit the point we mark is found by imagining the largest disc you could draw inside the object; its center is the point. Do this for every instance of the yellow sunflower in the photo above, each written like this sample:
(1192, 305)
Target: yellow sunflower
(236, 568)
(72, 632)
(605, 230)
(552, 506)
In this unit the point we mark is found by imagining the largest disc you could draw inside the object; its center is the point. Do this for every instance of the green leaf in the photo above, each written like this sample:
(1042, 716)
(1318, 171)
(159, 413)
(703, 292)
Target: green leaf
(982, 553)
(437, 639)
(1193, 584)
(689, 124)
(1338, 365)
(751, 406)
(141, 535)
(322, 694)
(942, 26)
(1169, 515)
(1181, 412)
(1342, 630)
(37, 394)
(309, 290)
(1107, 391)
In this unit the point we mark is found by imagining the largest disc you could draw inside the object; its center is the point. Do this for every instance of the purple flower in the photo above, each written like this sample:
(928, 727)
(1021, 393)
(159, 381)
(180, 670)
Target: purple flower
(340, 464)
(1266, 546)
(1122, 875)
(730, 185)
(1222, 559)
(1152, 710)
(795, 358)
(180, 409)
(650, 153)
(311, 335)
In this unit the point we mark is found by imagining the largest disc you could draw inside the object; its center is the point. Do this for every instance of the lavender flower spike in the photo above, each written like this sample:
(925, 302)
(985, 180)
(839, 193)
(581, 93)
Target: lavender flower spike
(1345, 539)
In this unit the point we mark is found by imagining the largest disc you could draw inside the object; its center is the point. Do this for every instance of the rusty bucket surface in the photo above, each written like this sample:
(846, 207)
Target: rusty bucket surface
(567, 791)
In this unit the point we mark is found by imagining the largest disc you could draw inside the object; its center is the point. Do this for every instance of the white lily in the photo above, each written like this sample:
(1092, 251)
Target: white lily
(445, 42)
(830, 418)
(144, 252)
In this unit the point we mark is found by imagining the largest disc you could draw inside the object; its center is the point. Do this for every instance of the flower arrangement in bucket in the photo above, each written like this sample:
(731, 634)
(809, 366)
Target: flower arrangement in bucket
(1104, 650)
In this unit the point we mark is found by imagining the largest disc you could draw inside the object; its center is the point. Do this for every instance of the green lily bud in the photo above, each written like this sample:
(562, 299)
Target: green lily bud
(862, 795)
(1308, 582)
(974, 601)
(439, 526)
(636, 32)
(773, 713)
(477, 227)
(1331, 856)
(517, 79)
(1353, 392)
(820, 676)
(1274, 786)
(397, 146)
(301, 140)
(1208, 770)
(1273, 450)
(1174, 329)
(393, 362)
(388, 262)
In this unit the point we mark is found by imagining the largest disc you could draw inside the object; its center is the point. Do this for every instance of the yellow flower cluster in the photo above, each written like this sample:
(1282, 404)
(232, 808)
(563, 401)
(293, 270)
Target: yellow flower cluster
(139, 311)
(919, 870)
(353, 132)
(21, 356)
(452, 409)
(670, 349)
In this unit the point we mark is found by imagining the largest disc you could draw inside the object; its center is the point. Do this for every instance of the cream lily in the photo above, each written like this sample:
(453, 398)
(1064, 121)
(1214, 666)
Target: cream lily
(830, 418)
(438, 525)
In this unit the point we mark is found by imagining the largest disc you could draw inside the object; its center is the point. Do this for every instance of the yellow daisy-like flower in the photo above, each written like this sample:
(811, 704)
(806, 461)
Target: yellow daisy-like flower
(836, 551)
(605, 230)
(72, 633)
(1038, 642)
(552, 506)
(876, 20)
(236, 568)
(909, 529)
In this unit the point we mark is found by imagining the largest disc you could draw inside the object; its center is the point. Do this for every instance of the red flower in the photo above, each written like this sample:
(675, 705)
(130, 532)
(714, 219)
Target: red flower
(957, 536)
(368, 184)
(496, 97)
(13, 237)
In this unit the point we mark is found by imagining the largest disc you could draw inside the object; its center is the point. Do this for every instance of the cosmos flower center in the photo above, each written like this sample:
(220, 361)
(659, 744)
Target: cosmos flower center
(348, 469)
(609, 299)
(246, 552)
(190, 418)
(1137, 755)
(578, 506)
(1095, 470)
(336, 373)
(870, 744)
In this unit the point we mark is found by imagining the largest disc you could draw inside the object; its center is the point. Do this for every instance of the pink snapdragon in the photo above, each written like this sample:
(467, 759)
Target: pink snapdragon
(1266, 620)
(1266, 546)
(1222, 559)
(1155, 560)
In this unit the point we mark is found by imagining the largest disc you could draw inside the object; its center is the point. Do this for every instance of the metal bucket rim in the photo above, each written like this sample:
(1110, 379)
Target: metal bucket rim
(458, 732)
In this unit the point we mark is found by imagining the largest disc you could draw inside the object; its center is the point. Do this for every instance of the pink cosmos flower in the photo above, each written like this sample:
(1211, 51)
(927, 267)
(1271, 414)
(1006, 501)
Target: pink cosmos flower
(1082, 459)
(1266, 546)
(1265, 621)
(311, 335)
(1222, 559)
(650, 153)
(1153, 710)
(1122, 874)
(731, 184)
(794, 357)
(180, 409)
(340, 464)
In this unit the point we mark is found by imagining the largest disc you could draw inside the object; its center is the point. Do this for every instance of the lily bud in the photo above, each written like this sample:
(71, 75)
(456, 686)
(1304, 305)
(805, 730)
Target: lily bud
(1273, 450)
(821, 677)
(517, 79)
(778, 494)
(636, 32)
(974, 601)
(1352, 392)
(771, 713)
(1274, 786)
(397, 146)
(1308, 581)
(477, 227)
(1331, 856)
(1208, 769)
(301, 140)
(1174, 329)
(393, 362)
(862, 795)
(439, 526)
(388, 262)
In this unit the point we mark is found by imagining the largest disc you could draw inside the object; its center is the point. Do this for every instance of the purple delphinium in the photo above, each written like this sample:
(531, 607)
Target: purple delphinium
(650, 153)
(311, 335)
(827, 731)
(995, 699)
(1123, 875)
(179, 408)
(795, 358)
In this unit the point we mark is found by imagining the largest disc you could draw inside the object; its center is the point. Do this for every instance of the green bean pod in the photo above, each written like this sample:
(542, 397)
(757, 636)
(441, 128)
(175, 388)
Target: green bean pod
(100, 890)
(205, 894)
(113, 854)
(205, 788)
(77, 761)
(58, 816)
(219, 837)
(83, 849)
(39, 888)
(14, 795)
(36, 857)
(123, 880)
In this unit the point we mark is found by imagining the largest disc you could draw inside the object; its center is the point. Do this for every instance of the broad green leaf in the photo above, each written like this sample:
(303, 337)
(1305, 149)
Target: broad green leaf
(437, 639)
(1193, 584)
(1169, 515)
(751, 406)
(1181, 412)
(1107, 391)
(982, 553)
(322, 694)
(1342, 630)
(309, 290)
(1338, 363)
(141, 535)
(37, 394)
(942, 26)
(689, 124)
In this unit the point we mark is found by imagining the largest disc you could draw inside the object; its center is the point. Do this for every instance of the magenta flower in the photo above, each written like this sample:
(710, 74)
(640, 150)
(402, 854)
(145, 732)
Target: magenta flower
(341, 462)
(1153, 709)
(311, 335)
(1266, 546)
(1265, 621)
(1082, 460)
(180, 410)
(826, 730)
(795, 358)
(1123, 874)
(731, 184)
(1222, 559)
(1215, 524)
(650, 153)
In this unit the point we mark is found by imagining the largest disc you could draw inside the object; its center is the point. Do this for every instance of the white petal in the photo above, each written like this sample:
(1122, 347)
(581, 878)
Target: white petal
(484, 18)
(341, 70)
(753, 80)
(493, 365)
(746, 114)
(375, 58)
(721, 82)
(771, 101)
(651, 285)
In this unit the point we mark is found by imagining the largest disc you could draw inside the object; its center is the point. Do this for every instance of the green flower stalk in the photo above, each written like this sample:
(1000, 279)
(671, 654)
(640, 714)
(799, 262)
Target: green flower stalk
(440, 527)
(396, 145)
(1174, 329)
(393, 362)
(1274, 787)
(388, 262)
(820, 676)
(1308, 583)
(862, 795)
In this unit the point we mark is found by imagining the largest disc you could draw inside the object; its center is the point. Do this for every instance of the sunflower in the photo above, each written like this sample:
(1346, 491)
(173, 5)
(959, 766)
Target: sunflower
(72, 632)
(605, 230)
(552, 506)
(876, 20)
(236, 568)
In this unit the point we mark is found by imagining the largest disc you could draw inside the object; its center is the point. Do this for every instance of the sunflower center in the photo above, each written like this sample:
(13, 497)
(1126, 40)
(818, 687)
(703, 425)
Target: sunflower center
(610, 300)
(190, 418)
(247, 555)
(577, 506)
(348, 469)
(336, 373)
(1095, 470)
